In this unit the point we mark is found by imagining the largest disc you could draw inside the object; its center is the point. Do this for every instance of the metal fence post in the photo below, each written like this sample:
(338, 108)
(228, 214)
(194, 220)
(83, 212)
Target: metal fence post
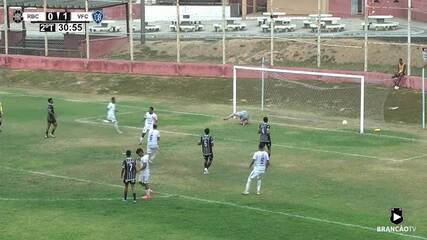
(87, 33)
(409, 36)
(318, 34)
(178, 31)
(423, 99)
(6, 29)
(130, 30)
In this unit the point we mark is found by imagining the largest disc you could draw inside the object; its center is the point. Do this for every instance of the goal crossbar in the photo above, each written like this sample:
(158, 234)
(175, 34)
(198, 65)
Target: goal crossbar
(311, 73)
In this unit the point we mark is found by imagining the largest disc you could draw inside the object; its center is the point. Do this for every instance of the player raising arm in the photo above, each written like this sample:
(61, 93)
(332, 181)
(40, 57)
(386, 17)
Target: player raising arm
(128, 175)
(111, 114)
(153, 143)
(242, 115)
(51, 119)
(144, 176)
(150, 118)
(260, 161)
(264, 134)
(207, 143)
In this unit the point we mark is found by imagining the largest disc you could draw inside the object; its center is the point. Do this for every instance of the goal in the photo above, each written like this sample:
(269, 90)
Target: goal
(328, 98)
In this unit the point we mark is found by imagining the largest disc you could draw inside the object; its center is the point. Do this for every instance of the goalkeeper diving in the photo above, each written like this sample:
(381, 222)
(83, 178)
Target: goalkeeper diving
(242, 115)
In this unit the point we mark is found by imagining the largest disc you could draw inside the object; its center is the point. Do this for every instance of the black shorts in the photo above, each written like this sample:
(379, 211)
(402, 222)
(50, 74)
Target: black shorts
(208, 157)
(267, 144)
(131, 181)
(51, 119)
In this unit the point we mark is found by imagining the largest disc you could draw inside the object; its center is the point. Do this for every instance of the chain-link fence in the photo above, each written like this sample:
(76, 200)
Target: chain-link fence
(205, 34)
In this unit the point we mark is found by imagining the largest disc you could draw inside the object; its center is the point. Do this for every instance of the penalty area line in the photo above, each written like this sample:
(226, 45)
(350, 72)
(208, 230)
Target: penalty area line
(208, 201)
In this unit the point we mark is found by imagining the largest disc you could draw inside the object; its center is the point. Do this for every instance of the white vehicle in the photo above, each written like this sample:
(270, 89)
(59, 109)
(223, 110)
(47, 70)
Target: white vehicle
(280, 25)
(231, 25)
(105, 26)
(148, 26)
(187, 26)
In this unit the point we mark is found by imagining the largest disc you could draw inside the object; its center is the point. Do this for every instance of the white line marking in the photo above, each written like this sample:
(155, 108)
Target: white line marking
(167, 195)
(57, 199)
(314, 219)
(339, 153)
(71, 199)
(234, 140)
(414, 157)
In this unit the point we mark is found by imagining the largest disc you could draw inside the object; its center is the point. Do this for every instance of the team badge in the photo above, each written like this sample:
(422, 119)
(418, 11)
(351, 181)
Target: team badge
(17, 16)
(97, 16)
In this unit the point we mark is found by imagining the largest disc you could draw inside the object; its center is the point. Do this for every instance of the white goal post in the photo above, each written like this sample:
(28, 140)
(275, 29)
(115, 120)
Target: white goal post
(262, 70)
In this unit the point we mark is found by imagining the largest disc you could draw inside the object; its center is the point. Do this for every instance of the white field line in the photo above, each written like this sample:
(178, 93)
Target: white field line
(230, 204)
(414, 157)
(234, 140)
(66, 178)
(217, 116)
(69, 199)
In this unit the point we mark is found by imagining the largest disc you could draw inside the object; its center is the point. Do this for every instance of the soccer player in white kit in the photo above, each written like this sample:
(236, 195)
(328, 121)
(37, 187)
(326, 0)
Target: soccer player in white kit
(111, 114)
(153, 143)
(150, 119)
(144, 176)
(261, 161)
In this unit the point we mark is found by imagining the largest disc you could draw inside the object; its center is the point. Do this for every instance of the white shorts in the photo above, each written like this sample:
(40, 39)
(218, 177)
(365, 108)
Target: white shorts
(111, 117)
(144, 177)
(147, 129)
(151, 150)
(256, 174)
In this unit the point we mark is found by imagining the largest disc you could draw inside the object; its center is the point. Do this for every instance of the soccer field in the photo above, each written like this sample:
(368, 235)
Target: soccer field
(322, 184)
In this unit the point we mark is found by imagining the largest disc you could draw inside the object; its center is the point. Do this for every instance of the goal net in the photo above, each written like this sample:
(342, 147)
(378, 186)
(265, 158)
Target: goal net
(306, 98)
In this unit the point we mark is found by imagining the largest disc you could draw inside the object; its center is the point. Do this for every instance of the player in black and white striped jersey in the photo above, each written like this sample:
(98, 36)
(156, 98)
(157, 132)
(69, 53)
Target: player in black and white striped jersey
(264, 134)
(128, 175)
(207, 142)
(51, 120)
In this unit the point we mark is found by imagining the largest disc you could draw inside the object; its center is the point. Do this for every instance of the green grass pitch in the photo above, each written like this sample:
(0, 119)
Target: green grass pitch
(321, 185)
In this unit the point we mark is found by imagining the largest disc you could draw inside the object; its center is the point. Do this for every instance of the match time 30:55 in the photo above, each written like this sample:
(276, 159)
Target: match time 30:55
(61, 27)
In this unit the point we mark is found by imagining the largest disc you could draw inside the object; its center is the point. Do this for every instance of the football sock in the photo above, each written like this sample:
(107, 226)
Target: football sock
(116, 126)
(125, 196)
(134, 196)
(248, 185)
(258, 186)
(208, 164)
(53, 131)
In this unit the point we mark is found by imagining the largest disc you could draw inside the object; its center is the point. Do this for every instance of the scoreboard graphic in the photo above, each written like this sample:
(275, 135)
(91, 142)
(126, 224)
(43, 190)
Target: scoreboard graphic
(64, 22)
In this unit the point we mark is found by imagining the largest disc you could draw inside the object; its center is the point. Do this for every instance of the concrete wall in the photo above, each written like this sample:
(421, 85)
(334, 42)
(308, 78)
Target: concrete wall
(388, 8)
(172, 69)
(300, 7)
(383, 7)
(340, 8)
(168, 13)
(419, 10)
